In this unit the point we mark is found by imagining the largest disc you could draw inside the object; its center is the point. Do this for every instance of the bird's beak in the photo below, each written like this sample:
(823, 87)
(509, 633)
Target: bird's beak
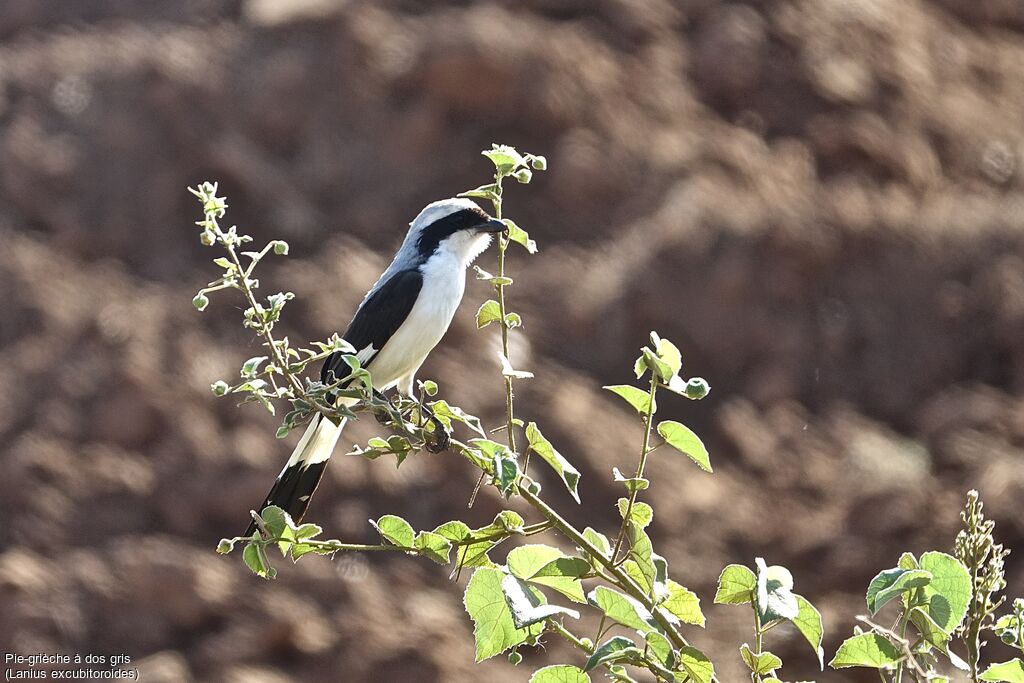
(492, 225)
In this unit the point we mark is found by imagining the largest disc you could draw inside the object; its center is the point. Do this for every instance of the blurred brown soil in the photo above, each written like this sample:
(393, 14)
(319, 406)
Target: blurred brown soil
(820, 202)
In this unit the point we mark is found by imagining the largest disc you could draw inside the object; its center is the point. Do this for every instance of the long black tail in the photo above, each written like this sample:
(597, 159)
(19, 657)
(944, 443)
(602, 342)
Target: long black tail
(301, 474)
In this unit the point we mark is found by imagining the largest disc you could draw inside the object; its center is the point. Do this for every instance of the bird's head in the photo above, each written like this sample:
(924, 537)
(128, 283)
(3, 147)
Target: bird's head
(456, 227)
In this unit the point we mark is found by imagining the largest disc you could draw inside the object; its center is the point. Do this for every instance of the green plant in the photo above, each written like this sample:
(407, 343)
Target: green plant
(769, 591)
(511, 602)
(940, 597)
(537, 590)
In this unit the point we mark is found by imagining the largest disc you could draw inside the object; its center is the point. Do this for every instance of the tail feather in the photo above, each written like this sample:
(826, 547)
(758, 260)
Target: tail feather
(301, 474)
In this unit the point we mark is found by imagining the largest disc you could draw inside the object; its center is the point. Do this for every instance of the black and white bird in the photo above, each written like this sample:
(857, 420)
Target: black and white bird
(399, 322)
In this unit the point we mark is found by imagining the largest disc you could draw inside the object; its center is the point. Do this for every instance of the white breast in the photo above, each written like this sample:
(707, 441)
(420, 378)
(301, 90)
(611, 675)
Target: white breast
(444, 281)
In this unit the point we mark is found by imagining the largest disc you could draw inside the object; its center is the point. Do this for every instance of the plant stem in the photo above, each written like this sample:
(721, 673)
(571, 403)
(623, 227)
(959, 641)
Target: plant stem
(644, 451)
(509, 410)
(578, 644)
(622, 580)
(758, 638)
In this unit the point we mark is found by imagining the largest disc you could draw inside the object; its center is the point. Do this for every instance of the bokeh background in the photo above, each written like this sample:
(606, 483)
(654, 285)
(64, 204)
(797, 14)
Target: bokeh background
(820, 201)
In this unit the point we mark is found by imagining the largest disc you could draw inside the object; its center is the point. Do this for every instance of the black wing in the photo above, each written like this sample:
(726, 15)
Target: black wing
(377, 319)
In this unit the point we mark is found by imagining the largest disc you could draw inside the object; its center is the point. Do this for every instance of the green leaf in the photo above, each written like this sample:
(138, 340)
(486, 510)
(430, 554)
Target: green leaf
(613, 650)
(661, 649)
(657, 365)
(736, 586)
(489, 192)
(642, 514)
(696, 664)
(434, 546)
(220, 387)
(547, 566)
(683, 603)
(252, 366)
(1009, 672)
(569, 475)
(520, 236)
(513, 320)
(488, 313)
(528, 605)
(638, 398)
(455, 531)
(280, 247)
(623, 609)
(760, 662)
(225, 546)
(200, 301)
(682, 438)
(493, 628)
(891, 583)
(775, 599)
(808, 622)
(505, 158)
(668, 353)
(523, 175)
(255, 557)
(447, 413)
(908, 561)
(640, 366)
(869, 650)
(598, 540)
(394, 530)
(538, 162)
(631, 483)
(949, 592)
(559, 673)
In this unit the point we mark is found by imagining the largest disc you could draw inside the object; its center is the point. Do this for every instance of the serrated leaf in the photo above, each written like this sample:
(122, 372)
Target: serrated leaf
(493, 628)
(683, 603)
(696, 664)
(488, 313)
(642, 514)
(736, 586)
(538, 563)
(613, 650)
(560, 673)
(890, 583)
(949, 591)
(867, 649)
(394, 530)
(759, 662)
(505, 158)
(434, 546)
(528, 605)
(1008, 672)
(808, 622)
(539, 444)
(682, 438)
(455, 531)
(638, 398)
(623, 609)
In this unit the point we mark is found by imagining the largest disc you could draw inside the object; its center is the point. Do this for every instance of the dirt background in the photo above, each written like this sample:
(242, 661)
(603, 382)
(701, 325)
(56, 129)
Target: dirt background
(820, 201)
